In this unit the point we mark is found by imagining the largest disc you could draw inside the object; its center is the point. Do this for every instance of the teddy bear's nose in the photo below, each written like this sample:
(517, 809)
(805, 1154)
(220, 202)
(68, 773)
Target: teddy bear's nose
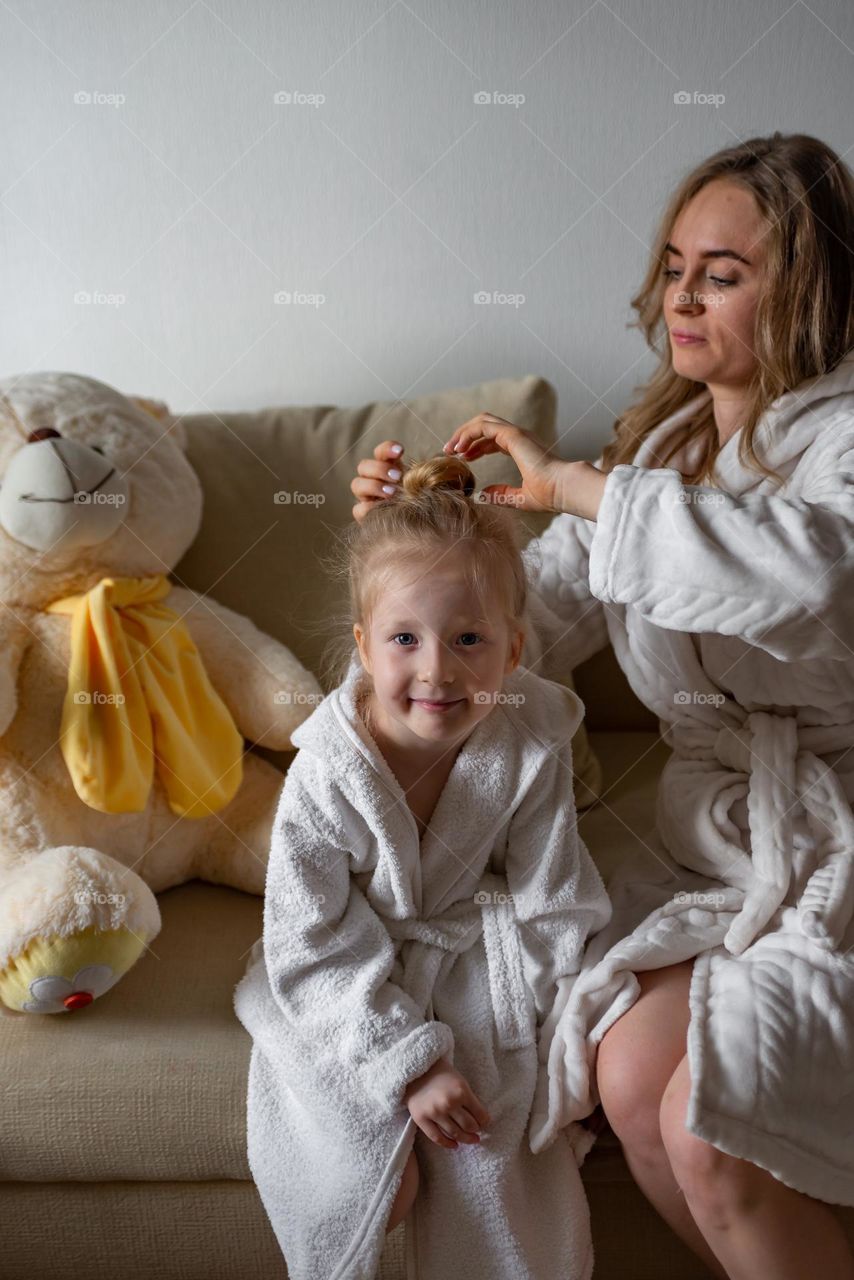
(42, 433)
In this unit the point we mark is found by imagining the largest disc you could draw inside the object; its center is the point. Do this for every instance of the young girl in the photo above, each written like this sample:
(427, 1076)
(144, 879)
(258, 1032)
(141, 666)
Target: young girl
(427, 899)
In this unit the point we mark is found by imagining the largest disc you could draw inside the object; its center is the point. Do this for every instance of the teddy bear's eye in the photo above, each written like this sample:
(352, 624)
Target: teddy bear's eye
(98, 449)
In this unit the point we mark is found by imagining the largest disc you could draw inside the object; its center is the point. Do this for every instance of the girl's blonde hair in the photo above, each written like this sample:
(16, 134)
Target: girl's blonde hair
(805, 315)
(432, 515)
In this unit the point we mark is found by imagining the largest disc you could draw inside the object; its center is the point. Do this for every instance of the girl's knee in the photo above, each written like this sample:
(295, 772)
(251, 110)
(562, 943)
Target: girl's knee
(630, 1092)
(406, 1193)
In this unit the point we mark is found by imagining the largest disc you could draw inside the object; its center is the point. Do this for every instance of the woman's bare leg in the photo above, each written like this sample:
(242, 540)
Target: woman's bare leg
(636, 1060)
(755, 1224)
(406, 1193)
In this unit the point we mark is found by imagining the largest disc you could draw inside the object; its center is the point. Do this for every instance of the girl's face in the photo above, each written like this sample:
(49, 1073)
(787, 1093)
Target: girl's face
(713, 266)
(435, 662)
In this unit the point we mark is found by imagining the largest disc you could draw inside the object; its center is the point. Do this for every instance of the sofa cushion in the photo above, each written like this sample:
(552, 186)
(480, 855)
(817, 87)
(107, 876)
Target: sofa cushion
(149, 1082)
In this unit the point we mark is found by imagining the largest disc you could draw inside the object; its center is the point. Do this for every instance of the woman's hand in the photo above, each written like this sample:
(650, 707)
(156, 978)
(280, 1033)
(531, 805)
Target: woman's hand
(548, 484)
(377, 477)
(444, 1107)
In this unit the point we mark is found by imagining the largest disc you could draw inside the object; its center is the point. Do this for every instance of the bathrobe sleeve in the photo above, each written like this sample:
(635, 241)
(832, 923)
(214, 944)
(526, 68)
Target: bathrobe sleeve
(558, 896)
(567, 619)
(328, 954)
(776, 571)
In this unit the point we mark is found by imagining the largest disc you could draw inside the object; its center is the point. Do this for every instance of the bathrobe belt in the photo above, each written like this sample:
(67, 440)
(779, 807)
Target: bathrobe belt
(489, 912)
(785, 775)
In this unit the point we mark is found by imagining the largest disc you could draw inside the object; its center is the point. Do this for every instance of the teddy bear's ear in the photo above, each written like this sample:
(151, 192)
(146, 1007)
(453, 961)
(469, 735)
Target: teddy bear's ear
(160, 410)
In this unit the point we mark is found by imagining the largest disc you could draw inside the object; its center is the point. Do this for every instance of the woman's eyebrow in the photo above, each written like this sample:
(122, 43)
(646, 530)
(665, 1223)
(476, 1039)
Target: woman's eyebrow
(710, 253)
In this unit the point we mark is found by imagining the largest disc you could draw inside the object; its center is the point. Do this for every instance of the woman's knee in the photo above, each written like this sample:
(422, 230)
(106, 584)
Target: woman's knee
(639, 1054)
(406, 1193)
(719, 1188)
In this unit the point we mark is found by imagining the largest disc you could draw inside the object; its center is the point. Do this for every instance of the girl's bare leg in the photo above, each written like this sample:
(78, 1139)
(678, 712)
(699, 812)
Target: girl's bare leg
(406, 1193)
(755, 1224)
(636, 1060)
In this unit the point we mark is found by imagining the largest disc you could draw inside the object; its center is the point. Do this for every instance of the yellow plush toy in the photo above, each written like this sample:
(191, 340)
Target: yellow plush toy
(126, 702)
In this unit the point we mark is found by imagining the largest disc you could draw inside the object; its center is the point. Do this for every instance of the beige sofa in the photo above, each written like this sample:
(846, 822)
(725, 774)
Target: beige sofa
(123, 1151)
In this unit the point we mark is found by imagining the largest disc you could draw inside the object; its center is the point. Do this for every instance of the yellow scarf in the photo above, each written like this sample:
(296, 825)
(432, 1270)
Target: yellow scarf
(138, 692)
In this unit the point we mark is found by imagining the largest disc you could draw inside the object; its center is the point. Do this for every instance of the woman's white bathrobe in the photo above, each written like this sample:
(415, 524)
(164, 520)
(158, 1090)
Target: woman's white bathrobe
(380, 954)
(731, 611)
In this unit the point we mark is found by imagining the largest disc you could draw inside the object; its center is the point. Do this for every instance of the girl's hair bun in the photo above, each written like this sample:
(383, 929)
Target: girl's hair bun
(444, 471)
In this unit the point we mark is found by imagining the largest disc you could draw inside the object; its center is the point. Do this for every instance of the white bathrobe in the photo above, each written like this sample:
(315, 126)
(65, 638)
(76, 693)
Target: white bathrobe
(731, 611)
(381, 953)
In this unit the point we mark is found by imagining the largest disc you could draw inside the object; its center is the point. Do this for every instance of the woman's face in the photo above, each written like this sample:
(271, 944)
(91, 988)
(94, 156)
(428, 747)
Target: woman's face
(713, 267)
(437, 665)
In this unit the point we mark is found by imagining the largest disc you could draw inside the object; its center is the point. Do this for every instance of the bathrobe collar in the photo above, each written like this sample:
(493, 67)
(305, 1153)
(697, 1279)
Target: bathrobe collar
(787, 428)
(496, 764)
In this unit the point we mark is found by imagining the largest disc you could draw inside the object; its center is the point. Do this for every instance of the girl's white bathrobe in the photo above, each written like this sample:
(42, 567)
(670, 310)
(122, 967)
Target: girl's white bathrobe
(381, 953)
(731, 611)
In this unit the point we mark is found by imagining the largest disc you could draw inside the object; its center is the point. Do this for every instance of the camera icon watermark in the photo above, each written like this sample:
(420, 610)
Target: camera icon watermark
(95, 98)
(296, 298)
(498, 697)
(495, 297)
(498, 99)
(297, 498)
(707, 898)
(684, 98)
(693, 697)
(99, 499)
(296, 98)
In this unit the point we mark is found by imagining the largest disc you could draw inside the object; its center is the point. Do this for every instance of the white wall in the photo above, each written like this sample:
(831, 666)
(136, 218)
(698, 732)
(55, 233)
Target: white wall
(196, 197)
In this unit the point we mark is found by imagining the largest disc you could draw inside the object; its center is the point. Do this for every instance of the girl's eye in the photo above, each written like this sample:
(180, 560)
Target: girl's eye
(723, 283)
(404, 633)
(472, 635)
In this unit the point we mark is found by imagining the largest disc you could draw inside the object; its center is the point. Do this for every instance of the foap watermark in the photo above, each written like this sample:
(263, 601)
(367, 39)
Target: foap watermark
(702, 898)
(495, 98)
(485, 298)
(685, 299)
(693, 697)
(689, 496)
(297, 98)
(91, 897)
(95, 698)
(95, 98)
(295, 697)
(684, 98)
(498, 697)
(99, 499)
(485, 898)
(97, 298)
(297, 498)
(294, 298)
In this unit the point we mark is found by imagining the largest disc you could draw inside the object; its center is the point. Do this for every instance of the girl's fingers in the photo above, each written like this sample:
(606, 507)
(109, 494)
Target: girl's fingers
(479, 1111)
(435, 1134)
(469, 1129)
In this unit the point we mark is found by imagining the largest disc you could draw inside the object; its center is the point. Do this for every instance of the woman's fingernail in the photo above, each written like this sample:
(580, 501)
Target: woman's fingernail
(394, 474)
(389, 488)
(397, 448)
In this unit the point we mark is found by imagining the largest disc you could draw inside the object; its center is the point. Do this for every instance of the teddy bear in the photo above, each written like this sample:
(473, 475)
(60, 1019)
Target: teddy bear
(126, 700)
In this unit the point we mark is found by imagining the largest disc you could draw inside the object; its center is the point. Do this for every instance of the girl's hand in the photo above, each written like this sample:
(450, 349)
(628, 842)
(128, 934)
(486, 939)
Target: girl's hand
(444, 1107)
(384, 469)
(548, 484)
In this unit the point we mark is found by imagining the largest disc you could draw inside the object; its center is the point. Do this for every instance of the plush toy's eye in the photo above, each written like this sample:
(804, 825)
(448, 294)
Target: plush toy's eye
(98, 449)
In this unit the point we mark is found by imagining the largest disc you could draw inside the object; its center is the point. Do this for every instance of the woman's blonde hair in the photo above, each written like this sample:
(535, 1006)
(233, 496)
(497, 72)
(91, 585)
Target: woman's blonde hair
(805, 315)
(432, 514)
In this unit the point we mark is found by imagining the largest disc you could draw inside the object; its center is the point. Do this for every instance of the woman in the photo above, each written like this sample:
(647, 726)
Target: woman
(712, 543)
